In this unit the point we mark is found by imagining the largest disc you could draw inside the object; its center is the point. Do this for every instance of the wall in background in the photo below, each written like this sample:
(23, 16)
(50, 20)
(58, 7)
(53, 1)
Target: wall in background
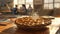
(5, 5)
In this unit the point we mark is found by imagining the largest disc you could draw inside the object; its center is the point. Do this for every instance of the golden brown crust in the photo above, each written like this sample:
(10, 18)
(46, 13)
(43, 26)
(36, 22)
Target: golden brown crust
(29, 21)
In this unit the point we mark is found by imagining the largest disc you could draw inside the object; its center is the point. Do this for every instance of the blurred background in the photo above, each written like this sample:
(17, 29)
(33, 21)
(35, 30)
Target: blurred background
(11, 10)
(43, 7)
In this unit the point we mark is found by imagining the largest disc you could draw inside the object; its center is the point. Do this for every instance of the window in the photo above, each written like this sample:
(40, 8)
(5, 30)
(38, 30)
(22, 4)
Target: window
(50, 1)
(57, 1)
(50, 4)
(26, 2)
(57, 5)
(21, 2)
(46, 6)
(45, 1)
(29, 2)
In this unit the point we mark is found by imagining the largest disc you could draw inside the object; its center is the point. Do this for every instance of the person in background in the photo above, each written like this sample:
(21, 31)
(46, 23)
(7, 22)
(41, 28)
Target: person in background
(15, 9)
(30, 10)
(23, 9)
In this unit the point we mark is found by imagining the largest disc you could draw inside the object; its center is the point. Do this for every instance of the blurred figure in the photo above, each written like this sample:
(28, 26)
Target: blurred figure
(30, 10)
(23, 9)
(14, 10)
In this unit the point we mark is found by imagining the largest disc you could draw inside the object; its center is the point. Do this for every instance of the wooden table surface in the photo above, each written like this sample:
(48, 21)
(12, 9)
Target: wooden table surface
(7, 30)
(4, 26)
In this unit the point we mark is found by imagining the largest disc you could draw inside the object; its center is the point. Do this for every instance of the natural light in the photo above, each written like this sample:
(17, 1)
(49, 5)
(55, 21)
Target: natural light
(48, 4)
(15, 2)
(26, 2)
(55, 25)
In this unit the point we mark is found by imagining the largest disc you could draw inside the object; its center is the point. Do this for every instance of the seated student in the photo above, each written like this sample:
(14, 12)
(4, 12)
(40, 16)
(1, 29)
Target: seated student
(23, 9)
(30, 10)
(15, 9)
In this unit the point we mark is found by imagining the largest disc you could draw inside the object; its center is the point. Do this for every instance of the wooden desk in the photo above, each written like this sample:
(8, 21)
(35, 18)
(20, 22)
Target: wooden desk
(7, 26)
